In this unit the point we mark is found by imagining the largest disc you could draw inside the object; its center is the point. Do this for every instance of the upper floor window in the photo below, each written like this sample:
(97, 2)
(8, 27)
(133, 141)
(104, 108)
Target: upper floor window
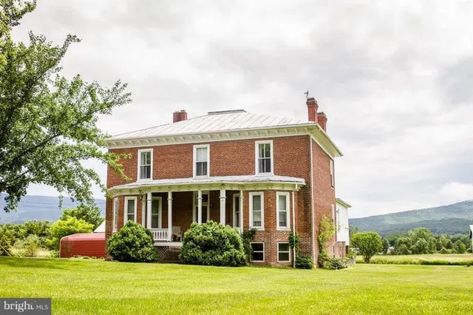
(201, 160)
(332, 174)
(145, 164)
(257, 210)
(282, 206)
(264, 157)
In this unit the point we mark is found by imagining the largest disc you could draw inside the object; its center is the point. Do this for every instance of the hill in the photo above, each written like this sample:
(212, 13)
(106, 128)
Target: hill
(449, 219)
(38, 208)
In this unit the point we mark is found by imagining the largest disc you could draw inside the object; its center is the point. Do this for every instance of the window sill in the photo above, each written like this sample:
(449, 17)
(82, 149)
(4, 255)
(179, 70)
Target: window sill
(257, 228)
(264, 174)
(286, 229)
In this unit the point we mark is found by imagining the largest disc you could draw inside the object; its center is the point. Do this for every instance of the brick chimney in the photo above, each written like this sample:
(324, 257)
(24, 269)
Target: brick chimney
(322, 120)
(312, 108)
(179, 116)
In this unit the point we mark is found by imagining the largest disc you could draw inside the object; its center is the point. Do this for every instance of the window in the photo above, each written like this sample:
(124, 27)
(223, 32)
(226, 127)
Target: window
(236, 210)
(156, 213)
(282, 206)
(332, 174)
(130, 209)
(257, 252)
(264, 157)
(205, 207)
(115, 213)
(201, 160)
(257, 210)
(284, 252)
(145, 163)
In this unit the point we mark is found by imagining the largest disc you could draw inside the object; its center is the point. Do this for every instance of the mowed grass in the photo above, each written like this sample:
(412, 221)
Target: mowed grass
(428, 259)
(100, 287)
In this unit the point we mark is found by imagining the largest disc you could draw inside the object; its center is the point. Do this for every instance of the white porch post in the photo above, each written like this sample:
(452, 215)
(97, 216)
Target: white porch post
(199, 206)
(241, 210)
(222, 206)
(170, 216)
(149, 201)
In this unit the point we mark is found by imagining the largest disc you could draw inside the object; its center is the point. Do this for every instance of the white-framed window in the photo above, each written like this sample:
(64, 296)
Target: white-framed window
(257, 210)
(236, 210)
(156, 220)
(145, 164)
(116, 208)
(283, 210)
(129, 213)
(205, 207)
(257, 251)
(332, 174)
(284, 252)
(264, 157)
(201, 160)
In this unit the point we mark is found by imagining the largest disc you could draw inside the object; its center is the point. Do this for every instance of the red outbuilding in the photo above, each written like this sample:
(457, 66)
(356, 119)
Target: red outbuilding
(83, 244)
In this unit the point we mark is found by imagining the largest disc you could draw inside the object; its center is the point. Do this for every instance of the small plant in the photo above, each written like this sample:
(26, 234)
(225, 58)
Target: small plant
(335, 263)
(304, 262)
(132, 243)
(212, 244)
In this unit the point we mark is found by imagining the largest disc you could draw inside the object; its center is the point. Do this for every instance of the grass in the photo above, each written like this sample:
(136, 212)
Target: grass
(428, 259)
(79, 286)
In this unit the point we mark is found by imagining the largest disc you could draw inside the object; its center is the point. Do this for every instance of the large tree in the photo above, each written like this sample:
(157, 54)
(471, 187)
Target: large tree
(47, 121)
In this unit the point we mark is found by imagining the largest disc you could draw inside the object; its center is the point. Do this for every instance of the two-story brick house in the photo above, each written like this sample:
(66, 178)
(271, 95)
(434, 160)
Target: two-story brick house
(237, 168)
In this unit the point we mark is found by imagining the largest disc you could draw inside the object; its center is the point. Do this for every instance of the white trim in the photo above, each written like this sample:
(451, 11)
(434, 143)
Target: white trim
(241, 210)
(223, 208)
(194, 168)
(143, 209)
(125, 209)
(138, 168)
(115, 212)
(277, 252)
(311, 129)
(195, 205)
(169, 215)
(288, 210)
(234, 198)
(261, 194)
(332, 173)
(257, 143)
(264, 254)
(149, 200)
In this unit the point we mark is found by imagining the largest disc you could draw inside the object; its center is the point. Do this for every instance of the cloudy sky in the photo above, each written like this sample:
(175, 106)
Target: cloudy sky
(395, 78)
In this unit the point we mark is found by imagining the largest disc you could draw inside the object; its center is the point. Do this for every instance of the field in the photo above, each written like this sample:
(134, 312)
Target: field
(431, 259)
(99, 287)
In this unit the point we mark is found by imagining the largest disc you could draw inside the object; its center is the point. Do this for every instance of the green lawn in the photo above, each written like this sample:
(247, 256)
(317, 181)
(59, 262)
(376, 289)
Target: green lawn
(99, 287)
(430, 259)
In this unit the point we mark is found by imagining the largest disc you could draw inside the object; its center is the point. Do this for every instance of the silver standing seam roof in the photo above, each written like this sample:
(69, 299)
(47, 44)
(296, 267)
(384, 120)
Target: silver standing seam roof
(213, 122)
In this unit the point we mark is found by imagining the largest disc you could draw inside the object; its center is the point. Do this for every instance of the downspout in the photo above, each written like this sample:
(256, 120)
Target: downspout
(293, 229)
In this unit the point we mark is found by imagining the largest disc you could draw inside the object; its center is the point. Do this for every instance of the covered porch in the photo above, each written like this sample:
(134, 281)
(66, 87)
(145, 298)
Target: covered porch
(169, 207)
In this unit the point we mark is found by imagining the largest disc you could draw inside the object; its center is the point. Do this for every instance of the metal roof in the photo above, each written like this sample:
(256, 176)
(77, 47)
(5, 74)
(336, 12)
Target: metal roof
(213, 122)
(212, 180)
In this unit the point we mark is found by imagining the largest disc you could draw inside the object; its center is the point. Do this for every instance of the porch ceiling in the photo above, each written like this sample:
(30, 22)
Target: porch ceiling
(247, 182)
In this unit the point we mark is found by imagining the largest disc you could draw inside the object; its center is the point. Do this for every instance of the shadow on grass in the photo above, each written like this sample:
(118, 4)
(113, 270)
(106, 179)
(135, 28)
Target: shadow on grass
(48, 263)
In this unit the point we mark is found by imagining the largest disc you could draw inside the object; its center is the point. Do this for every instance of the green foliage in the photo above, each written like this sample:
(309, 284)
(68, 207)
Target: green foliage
(7, 239)
(326, 233)
(132, 243)
(335, 263)
(69, 226)
(368, 244)
(90, 214)
(48, 122)
(459, 247)
(304, 262)
(12, 233)
(247, 237)
(28, 247)
(212, 244)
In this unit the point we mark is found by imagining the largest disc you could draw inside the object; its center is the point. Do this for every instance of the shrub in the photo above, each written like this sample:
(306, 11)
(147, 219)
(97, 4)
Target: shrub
(87, 213)
(7, 239)
(335, 263)
(212, 244)
(304, 262)
(132, 243)
(368, 244)
(326, 233)
(27, 248)
(66, 227)
(248, 236)
(459, 247)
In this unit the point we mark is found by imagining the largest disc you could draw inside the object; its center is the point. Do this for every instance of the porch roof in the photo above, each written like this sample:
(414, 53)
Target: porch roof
(245, 182)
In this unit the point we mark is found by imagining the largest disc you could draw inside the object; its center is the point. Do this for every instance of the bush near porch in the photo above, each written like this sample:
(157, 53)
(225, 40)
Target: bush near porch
(212, 244)
(132, 243)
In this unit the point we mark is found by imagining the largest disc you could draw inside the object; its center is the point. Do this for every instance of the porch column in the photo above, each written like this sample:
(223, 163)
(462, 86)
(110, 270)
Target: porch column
(241, 210)
(149, 200)
(222, 206)
(170, 216)
(199, 206)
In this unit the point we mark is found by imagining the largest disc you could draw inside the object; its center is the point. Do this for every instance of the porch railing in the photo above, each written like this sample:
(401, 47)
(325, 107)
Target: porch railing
(160, 234)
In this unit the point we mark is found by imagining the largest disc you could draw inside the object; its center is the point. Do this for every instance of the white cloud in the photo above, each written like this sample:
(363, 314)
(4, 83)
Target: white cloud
(454, 192)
